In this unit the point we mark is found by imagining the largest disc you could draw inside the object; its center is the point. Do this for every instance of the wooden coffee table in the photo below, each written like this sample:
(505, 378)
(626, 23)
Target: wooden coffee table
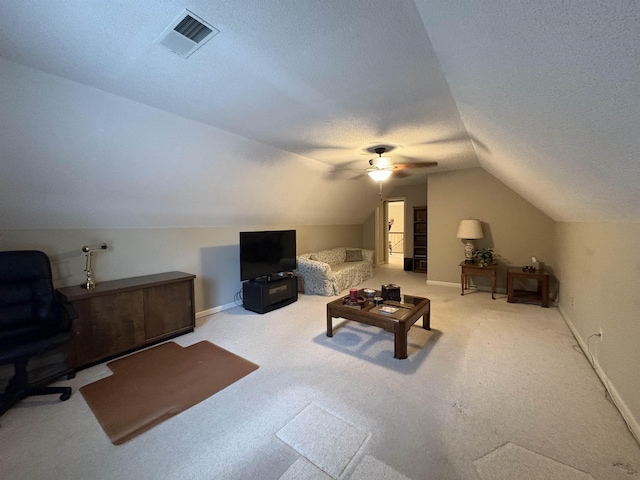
(410, 309)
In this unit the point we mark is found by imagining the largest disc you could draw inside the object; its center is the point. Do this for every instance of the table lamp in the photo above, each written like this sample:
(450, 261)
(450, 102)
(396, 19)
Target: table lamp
(469, 230)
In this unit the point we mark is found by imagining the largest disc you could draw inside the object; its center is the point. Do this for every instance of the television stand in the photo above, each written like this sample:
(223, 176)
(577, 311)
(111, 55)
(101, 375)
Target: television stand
(265, 295)
(270, 278)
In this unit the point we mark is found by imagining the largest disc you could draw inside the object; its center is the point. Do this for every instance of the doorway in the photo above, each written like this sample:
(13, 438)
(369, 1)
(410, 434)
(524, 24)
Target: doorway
(395, 238)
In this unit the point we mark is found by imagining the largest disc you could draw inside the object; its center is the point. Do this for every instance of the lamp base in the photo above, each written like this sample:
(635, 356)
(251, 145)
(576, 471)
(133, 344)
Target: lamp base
(468, 251)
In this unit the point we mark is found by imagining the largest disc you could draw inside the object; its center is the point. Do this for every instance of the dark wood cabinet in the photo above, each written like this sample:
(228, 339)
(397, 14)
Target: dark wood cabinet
(420, 239)
(168, 308)
(120, 316)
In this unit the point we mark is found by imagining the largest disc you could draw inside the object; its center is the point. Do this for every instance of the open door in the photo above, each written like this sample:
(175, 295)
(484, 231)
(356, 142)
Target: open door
(390, 238)
(396, 234)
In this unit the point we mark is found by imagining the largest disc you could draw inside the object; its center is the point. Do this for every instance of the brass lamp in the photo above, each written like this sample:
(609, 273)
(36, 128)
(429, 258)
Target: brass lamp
(90, 284)
(469, 230)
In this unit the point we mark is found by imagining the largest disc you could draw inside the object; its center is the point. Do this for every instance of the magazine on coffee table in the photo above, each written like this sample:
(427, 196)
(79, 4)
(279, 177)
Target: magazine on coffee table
(388, 309)
(397, 310)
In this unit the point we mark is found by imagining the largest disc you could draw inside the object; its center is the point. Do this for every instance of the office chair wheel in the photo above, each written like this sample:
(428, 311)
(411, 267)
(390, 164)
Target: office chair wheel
(65, 396)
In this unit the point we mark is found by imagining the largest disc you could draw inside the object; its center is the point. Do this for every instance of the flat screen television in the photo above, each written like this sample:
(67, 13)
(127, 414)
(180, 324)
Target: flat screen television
(267, 253)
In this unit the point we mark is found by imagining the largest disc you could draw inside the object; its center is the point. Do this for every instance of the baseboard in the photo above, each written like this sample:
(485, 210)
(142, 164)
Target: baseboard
(443, 284)
(622, 407)
(482, 288)
(211, 311)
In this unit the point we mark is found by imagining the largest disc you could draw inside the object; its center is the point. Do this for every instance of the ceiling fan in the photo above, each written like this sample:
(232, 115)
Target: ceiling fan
(382, 168)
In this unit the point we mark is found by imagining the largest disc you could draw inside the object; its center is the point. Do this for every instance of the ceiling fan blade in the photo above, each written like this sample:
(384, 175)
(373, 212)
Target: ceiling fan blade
(410, 166)
(345, 175)
(400, 174)
(345, 171)
(388, 167)
(459, 137)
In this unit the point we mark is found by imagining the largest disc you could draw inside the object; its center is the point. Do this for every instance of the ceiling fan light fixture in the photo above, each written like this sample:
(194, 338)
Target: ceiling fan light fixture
(383, 162)
(380, 175)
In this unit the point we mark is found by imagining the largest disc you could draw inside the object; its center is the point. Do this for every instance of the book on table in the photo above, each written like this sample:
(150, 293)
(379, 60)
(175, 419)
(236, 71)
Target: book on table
(388, 309)
(396, 310)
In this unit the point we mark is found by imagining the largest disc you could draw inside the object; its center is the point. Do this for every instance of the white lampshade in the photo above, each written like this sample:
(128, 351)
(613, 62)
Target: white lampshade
(380, 175)
(470, 229)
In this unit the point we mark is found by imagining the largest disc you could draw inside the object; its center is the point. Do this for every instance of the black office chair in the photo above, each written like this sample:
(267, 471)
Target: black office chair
(33, 321)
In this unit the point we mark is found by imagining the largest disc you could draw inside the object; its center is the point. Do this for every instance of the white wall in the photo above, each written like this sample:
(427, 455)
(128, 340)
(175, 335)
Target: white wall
(396, 212)
(512, 226)
(598, 266)
(77, 157)
(210, 253)
(397, 232)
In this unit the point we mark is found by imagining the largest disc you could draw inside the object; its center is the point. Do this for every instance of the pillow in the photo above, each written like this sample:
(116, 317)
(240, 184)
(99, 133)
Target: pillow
(353, 255)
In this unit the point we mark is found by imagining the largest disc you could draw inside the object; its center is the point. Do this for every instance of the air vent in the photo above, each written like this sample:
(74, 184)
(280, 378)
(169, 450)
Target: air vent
(186, 34)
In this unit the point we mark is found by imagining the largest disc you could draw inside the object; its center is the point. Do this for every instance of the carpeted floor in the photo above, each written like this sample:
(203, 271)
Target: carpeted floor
(325, 440)
(495, 390)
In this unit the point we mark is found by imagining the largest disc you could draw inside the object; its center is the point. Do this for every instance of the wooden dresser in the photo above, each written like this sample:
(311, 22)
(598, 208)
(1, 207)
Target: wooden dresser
(120, 316)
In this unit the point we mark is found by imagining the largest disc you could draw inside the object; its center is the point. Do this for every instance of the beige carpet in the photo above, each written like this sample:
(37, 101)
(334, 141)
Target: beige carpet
(369, 468)
(511, 461)
(490, 373)
(150, 386)
(324, 439)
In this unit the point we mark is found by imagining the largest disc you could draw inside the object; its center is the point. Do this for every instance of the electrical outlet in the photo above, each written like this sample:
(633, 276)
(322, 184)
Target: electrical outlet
(600, 333)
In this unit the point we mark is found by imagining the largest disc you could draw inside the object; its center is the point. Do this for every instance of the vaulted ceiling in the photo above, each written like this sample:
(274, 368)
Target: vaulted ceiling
(275, 118)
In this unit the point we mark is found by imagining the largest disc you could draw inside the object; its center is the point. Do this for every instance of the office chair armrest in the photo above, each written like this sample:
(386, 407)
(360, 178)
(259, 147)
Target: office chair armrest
(66, 306)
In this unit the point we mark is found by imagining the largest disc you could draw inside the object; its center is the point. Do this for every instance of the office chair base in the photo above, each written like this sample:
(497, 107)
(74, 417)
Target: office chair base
(18, 389)
(65, 392)
(11, 397)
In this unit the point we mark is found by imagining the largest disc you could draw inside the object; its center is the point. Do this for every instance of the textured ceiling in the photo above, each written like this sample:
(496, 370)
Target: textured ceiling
(544, 95)
(552, 90)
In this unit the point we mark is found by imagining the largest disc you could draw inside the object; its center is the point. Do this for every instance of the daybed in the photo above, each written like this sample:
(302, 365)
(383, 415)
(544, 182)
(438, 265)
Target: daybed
(328, 272)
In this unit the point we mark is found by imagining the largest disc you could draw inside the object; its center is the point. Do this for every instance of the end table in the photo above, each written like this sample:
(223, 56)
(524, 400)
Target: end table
(541, 295)
(469, 269)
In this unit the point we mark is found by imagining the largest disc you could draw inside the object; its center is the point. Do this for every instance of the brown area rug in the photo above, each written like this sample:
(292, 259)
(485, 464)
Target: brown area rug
(150, 386)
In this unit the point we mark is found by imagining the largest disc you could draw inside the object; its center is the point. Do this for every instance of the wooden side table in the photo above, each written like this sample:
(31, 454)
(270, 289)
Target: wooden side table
(540, 295)
(470, 269)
